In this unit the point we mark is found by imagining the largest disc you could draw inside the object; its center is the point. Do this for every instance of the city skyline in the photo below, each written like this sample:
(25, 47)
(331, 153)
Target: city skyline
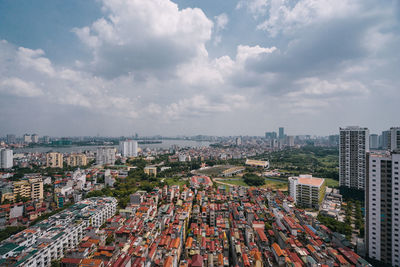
(197, 67)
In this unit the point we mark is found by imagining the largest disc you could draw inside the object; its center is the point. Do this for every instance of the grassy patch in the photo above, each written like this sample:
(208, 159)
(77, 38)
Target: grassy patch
(332, 183)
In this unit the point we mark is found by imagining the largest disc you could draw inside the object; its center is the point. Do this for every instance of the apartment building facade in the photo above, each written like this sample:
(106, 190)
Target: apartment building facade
(353, 148)
(382, 234)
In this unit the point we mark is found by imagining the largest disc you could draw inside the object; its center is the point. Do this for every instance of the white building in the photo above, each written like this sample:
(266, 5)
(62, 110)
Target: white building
(105, 155)
(27, 138)
(128, 148)
(60, 232)
(353, 148)
(394, 138)
(307, 191)
(382, 227)
(35, 138)
(6, 158)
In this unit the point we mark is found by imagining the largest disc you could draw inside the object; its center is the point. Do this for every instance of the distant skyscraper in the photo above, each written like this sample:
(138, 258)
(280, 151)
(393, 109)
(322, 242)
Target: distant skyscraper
(281, 133)
(290, 140)
(354, 145)
(385, 139)
(105, 155)
(271, 135)
(394, 138)
(334, 140)
(35, 138)
(27, 138)
(11, 139)
(382, 227)
(128, 148)
(373, 141)
(6, 158)
(238, 141)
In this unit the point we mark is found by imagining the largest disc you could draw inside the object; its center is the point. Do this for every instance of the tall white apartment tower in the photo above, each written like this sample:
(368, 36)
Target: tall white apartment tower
(394, 138)
(128, 148)
(353, 148)
(382, 203)
(105, 155)
(6, 158)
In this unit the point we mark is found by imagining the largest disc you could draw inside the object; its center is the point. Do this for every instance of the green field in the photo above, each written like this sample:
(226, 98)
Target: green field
(213, 171)
(173, 181)
(274, 184)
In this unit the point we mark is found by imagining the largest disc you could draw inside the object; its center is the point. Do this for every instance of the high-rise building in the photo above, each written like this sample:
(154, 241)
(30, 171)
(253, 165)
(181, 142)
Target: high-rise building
(238, 141)
(333, 140)
(6, 158)
(105, 155)
(75, 160)
(35, 138)
(281, 132)
(128, 148)
(271, 135)
(373, 141)
(54, 160)
(27, 138)
(382, 203)
(46, 139)
(290, 140)
(11, 139)
(307, 191)
(36, 188)
(394, 138)
(385, 140)
(354, 145)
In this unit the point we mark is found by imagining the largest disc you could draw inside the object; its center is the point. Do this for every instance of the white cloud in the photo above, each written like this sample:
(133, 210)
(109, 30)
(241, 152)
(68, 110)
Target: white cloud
(255, 7)
(221, 21)
(150, 36)
(288, 16)
(18, 87)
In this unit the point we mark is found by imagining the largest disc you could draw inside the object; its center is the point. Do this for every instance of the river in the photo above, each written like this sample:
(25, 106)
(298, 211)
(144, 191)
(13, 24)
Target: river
(77, 149)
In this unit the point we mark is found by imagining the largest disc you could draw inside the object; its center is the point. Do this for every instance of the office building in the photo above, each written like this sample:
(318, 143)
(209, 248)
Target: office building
(6, 158)
(271, 135)
(281, 133)
(333, 140)
(46, 139)
(128, 148)
(290, 140)
(382, 227)
(75, 160)
(394, 138)
(385, 140)
(354, 144)
(105, 155)
(54, 160)
(373, 141)
(307, 191)
(238, 141)
(35, 138)
(27, 138)
(11, 139)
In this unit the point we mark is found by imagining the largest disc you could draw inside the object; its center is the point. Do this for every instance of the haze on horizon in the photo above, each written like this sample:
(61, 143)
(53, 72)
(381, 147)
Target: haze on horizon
(186, 67)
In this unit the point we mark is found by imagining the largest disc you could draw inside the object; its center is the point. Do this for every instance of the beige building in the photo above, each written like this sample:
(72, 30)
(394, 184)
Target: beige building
(54, 160)
(75, 160)
(36, 188)
(22, 188)
(30, 189)
(150, 170)
(307, 191)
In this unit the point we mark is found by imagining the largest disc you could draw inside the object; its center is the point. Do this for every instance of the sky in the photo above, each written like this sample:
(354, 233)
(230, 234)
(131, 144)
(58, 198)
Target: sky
(187, 67)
